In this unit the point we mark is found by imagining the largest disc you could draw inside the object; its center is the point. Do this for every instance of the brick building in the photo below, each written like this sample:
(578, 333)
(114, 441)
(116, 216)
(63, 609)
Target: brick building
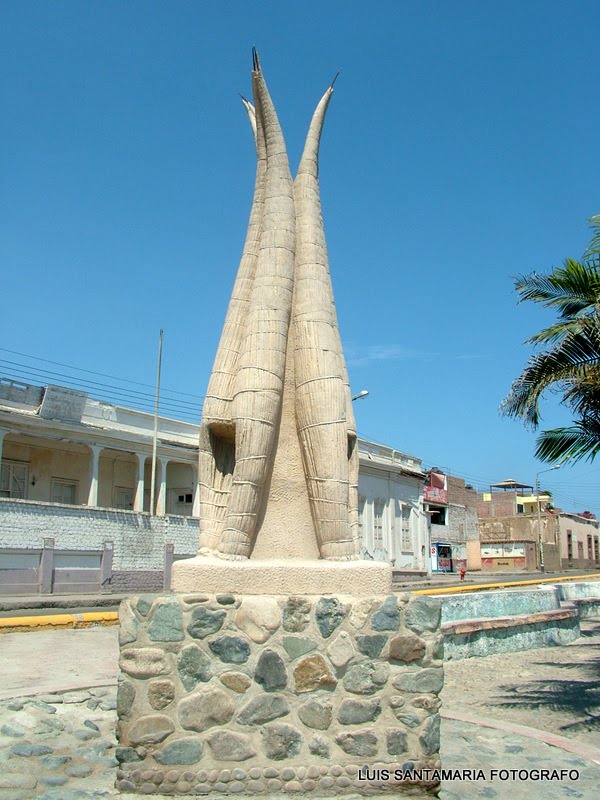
(454, 526)
(512, 531)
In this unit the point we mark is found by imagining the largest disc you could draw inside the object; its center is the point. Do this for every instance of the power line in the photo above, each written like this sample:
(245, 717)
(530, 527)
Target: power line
(44, 374)
(34, 371)
(90, 372)
(113, 396)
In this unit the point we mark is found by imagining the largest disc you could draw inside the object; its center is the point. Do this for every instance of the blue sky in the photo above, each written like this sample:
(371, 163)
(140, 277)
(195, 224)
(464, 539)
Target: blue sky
(457, 153)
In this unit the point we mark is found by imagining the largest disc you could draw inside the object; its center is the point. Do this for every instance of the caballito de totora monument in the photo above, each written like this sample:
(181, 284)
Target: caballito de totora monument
(278, 452)
(282, 663)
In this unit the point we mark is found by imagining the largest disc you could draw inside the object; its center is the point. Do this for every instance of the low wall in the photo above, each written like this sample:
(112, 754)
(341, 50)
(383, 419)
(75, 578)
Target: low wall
(138, 540)
(503, 603)
(573, 590)
(483, 623)
(484, 637)
(223, 694)
(584, 595)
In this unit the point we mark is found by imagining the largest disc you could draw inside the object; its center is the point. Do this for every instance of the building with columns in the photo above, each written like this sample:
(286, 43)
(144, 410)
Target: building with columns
(62, 452)
(75, 481)
(58, 445)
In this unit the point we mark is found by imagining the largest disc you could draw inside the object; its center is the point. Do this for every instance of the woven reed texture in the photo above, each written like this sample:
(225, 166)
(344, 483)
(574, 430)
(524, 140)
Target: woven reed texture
(323, 406)
(282, 293)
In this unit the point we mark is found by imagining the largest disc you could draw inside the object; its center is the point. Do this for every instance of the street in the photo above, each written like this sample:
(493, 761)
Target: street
(58, 718)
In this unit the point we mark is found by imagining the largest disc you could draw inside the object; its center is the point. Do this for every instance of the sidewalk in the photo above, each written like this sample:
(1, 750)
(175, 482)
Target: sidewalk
(60, 745)
(30, 603)
(33, 603)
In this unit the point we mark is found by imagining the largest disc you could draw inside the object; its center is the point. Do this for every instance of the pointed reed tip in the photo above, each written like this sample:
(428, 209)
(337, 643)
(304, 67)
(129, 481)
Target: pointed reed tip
(337, 75)
(255, 60)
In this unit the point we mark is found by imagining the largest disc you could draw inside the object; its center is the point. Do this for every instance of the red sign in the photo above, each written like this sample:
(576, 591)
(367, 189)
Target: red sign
(436, 491)
(434, 495)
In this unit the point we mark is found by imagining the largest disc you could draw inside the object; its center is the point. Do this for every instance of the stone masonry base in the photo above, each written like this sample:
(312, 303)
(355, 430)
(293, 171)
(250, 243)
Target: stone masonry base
(226, 694)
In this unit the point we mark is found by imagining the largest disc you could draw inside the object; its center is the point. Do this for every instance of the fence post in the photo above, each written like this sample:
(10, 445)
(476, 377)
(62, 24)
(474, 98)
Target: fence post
(46, 567)
(169, 553)
(106, 570)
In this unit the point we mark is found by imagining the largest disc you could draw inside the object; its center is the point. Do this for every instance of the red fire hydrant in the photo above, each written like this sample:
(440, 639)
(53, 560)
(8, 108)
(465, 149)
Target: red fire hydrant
(463, 571)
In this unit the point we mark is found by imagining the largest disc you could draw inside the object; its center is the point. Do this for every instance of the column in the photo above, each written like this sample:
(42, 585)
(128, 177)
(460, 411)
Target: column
(46, 572)
(3, 433)
(106, 564)
(196, 492)
(138, 503)
(162, 490)
(93, 493)
(169, 558)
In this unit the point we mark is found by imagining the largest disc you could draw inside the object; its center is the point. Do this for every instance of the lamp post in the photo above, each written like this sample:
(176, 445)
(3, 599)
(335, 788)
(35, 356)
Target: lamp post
(360, 395)
(539, 513)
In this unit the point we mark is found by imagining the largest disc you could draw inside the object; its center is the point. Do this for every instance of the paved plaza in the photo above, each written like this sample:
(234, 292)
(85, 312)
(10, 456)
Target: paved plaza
(533, 711)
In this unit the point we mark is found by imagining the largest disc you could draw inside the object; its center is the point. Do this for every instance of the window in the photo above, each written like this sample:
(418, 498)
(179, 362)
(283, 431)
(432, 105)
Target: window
(569, 545)
(62, 491)
(520, 508)
(405, 532)
(590, 549)
(14, 480)
(123, 497)
(180, 500)
(503, 550)
(361, 515)
(378, 506)
(438, 515)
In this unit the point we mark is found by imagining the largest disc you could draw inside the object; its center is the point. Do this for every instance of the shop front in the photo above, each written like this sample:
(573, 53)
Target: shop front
(441, 557)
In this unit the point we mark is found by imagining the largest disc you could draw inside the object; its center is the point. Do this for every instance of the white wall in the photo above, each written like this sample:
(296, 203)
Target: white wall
(392, 492)
(46, 461)
(139, 540)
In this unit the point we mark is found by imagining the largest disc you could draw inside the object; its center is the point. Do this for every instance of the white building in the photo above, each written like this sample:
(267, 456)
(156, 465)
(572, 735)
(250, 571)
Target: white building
(394, 526)
(75, 477)
(75, 493)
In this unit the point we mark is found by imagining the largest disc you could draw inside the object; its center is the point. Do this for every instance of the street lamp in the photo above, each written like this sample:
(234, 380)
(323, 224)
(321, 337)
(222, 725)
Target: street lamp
(361, 394)
(539, 513)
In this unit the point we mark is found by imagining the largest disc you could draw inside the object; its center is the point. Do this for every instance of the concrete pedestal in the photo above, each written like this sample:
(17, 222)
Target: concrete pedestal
(226, 694)
(280, 575)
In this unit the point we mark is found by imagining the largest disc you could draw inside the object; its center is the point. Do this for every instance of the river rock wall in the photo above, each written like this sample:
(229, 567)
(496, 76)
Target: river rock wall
(222, 694)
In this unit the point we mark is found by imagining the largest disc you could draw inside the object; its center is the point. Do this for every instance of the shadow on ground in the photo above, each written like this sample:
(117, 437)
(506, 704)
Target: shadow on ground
(578, 697)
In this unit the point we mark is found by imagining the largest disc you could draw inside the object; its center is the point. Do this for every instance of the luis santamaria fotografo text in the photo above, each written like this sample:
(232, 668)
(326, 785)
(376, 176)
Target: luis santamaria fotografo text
(376, 774)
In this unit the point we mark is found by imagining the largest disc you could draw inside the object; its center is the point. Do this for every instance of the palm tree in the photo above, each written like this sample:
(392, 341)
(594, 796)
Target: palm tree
(570, 364)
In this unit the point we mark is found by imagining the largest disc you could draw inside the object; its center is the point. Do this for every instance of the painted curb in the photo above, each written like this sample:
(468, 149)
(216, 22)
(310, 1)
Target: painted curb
(8, 624)
(580, 749)
(484, 586)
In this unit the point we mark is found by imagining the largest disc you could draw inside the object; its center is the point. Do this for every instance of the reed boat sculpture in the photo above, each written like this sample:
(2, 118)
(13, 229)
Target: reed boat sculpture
(279, 383)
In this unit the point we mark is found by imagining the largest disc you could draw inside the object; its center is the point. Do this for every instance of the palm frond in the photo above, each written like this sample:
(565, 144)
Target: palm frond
(570, 364)
(594, 246)
(571, 289)
(570, 360)
(583, 396)
(554, 333)
(569, 444)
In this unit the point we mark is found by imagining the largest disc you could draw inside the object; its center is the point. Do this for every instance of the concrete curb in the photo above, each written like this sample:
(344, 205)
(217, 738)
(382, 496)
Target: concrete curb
(478, 587)
(9, 624)
(579, 749)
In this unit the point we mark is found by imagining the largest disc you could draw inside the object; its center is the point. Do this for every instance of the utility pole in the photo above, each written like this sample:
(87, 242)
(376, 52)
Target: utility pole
(539, 515)
(155, 436)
